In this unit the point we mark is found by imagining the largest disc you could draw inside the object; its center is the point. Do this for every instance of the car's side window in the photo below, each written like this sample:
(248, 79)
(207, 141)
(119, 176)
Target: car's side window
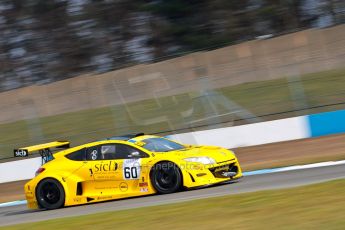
(108, 152)
(93, 153)
(78, 155)
(121, 151)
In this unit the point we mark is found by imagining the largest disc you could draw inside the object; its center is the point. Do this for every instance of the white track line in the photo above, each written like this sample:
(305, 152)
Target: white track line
(296, 167)
(13, 203)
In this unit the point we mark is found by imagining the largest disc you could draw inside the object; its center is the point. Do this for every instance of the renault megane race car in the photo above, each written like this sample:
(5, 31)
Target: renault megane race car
(121, 167)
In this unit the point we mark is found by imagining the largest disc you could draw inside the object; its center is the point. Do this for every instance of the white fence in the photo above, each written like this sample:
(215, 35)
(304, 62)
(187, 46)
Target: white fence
(19, 170)
(248, 135)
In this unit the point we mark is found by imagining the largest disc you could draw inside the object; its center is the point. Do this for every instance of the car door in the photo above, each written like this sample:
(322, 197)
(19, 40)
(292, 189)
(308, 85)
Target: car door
(100, 173)
(102, 166)
(114, 169)
(129, 160)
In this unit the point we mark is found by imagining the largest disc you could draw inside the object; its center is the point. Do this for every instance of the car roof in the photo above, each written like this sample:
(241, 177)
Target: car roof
(118, 139)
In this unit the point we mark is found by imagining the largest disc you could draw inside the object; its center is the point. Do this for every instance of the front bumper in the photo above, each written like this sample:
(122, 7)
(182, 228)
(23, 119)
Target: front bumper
(202, 175)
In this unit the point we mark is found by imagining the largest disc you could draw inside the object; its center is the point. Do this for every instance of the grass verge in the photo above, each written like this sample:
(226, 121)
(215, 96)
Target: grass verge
(320, 206)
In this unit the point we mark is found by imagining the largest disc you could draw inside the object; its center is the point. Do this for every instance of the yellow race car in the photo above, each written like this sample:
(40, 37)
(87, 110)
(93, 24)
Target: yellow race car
(121, 167)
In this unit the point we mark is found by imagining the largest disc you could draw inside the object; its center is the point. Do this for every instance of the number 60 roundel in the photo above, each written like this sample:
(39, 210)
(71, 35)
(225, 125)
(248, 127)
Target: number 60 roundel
(131, 169)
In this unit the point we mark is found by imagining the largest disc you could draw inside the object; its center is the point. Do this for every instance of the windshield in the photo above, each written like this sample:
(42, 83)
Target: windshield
(161, 145)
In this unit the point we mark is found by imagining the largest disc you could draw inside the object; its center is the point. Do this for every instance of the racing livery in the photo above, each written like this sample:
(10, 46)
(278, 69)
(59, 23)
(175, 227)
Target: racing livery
(121, 167)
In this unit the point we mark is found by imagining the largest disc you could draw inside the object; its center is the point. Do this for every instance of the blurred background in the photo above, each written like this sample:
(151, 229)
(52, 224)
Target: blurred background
(83, 70)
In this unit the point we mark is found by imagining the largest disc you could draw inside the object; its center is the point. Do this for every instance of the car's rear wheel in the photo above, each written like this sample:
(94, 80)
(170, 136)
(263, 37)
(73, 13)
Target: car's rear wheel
(50, 194)
(166, 177)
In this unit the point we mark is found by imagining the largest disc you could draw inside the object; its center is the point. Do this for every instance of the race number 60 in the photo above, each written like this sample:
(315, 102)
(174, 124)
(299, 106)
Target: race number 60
(131, 172)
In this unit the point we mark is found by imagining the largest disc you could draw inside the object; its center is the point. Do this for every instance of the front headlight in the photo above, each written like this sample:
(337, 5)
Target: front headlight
(202, 160)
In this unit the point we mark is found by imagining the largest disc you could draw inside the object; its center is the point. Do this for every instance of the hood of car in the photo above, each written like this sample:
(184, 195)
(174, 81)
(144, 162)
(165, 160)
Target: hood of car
(217, 153)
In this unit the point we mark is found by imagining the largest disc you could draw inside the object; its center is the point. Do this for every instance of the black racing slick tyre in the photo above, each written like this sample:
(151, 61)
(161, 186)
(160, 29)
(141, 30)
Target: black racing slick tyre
(166, 177)
(50, 194)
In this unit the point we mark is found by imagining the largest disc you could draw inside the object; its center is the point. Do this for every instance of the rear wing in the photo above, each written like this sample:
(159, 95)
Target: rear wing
(43, 149)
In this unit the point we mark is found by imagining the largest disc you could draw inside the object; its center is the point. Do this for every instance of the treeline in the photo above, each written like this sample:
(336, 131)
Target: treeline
(47, 40)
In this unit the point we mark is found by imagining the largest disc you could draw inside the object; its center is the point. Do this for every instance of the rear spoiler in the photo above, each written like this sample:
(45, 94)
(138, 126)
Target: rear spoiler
(43, 149)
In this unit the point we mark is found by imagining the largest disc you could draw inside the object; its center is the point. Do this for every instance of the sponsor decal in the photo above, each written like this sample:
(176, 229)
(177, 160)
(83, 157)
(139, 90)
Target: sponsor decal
(144, 184)
(144, 189)
(123, 186)
(77, 200)
(105, 187)
(94, 155)
(102, 176)
(131, 169)
(104, 197)
(21, 153)
(106, 167)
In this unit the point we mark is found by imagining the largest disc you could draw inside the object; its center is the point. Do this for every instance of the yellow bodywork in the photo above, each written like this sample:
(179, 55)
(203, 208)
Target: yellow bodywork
(89, 181)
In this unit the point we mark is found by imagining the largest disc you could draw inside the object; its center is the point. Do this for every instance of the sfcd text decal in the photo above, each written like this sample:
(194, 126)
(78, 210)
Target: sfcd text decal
(106, 167)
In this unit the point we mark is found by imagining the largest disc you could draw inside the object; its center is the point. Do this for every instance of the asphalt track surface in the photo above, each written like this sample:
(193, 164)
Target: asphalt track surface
(20, 214)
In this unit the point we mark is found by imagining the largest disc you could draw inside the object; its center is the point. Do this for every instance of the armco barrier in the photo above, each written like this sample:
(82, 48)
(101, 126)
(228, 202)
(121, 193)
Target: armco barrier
(245, 135)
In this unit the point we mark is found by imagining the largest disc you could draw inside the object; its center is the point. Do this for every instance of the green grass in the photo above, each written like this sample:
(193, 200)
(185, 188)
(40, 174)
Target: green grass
(320, 206)
(161, 114)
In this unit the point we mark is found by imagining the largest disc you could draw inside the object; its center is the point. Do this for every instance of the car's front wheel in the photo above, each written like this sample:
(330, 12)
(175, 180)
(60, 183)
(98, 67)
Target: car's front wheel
(166, 177)
(50, 194)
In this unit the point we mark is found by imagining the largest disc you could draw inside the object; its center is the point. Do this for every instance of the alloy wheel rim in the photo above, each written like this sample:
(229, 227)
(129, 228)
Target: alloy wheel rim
(166, 178)
(50, 193)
